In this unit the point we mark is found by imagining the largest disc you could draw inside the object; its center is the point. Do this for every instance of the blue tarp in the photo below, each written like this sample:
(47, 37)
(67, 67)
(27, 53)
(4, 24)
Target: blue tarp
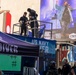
(11, 45)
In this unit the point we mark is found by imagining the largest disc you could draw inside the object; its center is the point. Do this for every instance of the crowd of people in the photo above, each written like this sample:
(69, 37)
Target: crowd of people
(31, 21)
(66, 69)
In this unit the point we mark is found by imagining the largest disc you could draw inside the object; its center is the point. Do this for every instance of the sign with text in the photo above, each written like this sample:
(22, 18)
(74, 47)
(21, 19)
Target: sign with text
(10, 62)
(47, 45)
(17, 50)
(11, 45)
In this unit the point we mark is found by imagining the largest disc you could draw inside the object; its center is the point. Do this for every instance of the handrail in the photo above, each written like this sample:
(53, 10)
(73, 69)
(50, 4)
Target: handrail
(36, 71)
(41, 22)
(16, 24)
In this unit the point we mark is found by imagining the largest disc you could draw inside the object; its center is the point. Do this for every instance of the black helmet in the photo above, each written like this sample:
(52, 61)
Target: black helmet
(52, 63)
(29, 9)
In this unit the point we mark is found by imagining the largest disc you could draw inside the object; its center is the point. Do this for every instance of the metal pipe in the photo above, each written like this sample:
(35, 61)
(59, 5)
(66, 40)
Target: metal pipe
(18, 24)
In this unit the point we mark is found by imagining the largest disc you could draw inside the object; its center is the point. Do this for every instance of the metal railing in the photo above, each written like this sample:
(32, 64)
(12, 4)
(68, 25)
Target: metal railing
(30, 71)
(40, 23)
(17, 31)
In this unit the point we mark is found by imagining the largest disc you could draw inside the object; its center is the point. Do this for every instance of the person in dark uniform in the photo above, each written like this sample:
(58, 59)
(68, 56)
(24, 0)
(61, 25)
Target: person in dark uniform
(34, 24)
(52, 70)
(66, 68)
(23, 21)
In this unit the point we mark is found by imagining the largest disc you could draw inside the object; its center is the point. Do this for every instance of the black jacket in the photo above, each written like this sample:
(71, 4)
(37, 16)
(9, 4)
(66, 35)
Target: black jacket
(24, 20)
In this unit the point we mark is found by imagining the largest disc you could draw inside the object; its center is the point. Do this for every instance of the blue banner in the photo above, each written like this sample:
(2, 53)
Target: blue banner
(47, 45)
(74, 53)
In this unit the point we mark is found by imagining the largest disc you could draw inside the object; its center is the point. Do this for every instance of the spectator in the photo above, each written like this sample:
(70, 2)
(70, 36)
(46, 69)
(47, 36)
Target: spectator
(66, 67)
(74, 67)
(59, 71)
(52, 69)
(72, 72)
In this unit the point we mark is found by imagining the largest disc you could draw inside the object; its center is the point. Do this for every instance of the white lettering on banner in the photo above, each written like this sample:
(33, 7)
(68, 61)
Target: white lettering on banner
(43, 45)
(8, 48)
(34, 42)
(46, 49)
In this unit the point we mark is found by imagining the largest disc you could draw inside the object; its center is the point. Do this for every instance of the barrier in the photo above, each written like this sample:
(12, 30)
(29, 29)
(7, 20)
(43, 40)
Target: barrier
(41, 29)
